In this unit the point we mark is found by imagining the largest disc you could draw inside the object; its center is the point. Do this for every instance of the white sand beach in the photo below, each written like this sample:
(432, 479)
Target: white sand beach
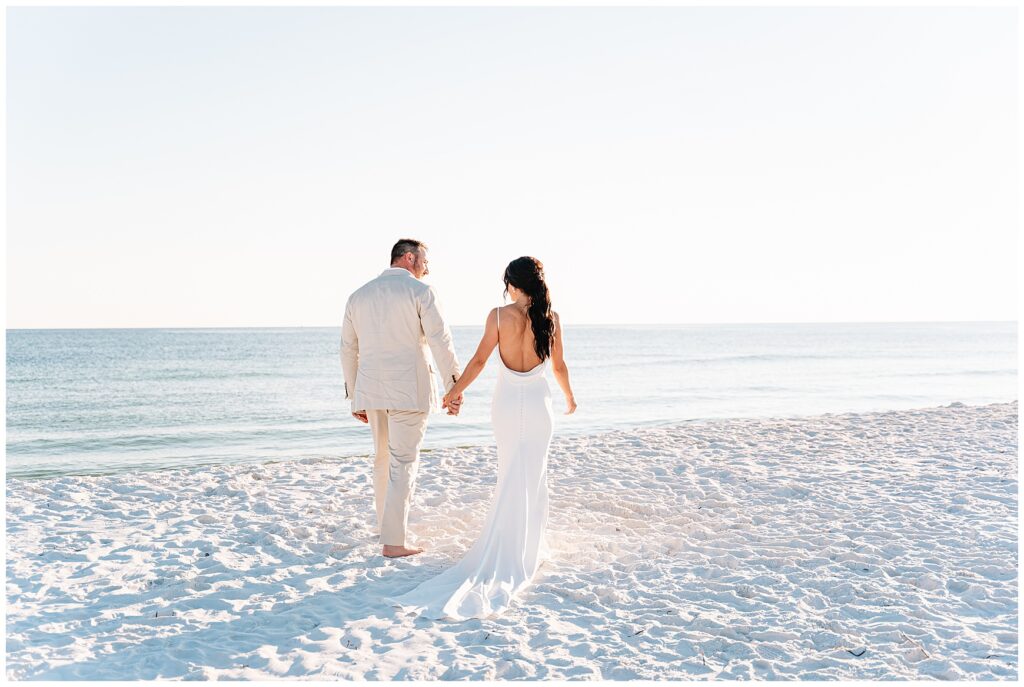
(879, 545)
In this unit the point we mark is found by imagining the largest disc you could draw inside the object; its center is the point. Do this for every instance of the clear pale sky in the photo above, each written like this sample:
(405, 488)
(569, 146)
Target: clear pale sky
(174, 167)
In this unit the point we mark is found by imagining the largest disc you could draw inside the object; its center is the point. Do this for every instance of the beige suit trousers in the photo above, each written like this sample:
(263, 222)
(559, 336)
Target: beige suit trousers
(397, 435)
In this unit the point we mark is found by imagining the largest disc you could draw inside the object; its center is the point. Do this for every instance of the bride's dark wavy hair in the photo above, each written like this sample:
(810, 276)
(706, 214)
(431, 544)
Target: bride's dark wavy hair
(527, 275)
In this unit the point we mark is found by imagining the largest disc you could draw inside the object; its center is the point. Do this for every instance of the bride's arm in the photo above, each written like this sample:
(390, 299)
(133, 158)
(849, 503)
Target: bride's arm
(559, 367)
(476, 365)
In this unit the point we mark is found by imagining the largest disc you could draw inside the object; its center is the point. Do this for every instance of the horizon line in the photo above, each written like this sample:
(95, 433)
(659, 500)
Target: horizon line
(584, 324)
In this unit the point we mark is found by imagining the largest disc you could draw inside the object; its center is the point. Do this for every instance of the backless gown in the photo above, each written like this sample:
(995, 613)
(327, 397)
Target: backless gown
(505, 557)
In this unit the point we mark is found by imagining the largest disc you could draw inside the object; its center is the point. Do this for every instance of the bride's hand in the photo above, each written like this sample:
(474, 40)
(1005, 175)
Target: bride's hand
(571, 405)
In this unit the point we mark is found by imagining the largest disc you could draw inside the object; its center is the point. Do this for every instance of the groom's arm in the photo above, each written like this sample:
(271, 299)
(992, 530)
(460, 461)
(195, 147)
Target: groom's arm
(349, 354)
(439, 338)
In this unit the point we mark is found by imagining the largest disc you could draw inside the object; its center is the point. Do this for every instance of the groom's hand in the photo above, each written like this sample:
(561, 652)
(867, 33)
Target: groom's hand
(361, 416)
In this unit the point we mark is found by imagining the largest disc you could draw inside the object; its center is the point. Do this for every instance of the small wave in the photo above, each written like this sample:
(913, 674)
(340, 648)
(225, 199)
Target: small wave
(956, 373)
(177, 438)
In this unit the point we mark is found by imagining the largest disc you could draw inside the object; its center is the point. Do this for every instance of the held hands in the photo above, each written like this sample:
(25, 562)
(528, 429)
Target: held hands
(452, 403)
(361, 416)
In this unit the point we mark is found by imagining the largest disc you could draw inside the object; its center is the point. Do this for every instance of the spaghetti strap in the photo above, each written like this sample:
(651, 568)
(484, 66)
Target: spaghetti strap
(497, 315)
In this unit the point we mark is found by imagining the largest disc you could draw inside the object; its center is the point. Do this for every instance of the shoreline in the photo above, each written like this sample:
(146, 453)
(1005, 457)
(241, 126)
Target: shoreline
(842, 546)
(477, 325)
(656, 425)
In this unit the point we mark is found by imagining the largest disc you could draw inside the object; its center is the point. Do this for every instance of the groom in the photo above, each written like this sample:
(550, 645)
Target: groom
(390, 322)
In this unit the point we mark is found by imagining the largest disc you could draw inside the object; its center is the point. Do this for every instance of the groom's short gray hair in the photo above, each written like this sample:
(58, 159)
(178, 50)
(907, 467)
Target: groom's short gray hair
(404, 246)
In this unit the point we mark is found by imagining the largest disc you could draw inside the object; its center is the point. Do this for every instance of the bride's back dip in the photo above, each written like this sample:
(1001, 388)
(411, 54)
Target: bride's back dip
(516, 343)
(505, 557)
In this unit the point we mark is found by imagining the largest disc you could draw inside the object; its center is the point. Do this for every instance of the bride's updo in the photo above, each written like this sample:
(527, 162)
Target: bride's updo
(527, 275)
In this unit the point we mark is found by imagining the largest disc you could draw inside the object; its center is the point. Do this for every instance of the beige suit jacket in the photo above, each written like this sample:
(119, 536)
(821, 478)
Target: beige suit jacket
(391, 324)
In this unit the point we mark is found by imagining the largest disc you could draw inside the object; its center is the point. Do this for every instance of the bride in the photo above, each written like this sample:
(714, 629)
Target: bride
(506, 555)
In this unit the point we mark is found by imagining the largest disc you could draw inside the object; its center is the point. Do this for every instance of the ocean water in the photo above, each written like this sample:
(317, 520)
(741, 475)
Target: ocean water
(97, 401)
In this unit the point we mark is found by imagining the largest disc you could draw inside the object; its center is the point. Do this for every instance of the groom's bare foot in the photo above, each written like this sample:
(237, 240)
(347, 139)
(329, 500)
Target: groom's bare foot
(399, 551)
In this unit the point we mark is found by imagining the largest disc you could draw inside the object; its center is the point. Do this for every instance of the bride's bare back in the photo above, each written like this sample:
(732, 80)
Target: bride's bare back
(515, 339)
(508, 328)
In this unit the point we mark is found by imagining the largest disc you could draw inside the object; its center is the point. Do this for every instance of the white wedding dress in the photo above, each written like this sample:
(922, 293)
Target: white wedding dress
(508, 552)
